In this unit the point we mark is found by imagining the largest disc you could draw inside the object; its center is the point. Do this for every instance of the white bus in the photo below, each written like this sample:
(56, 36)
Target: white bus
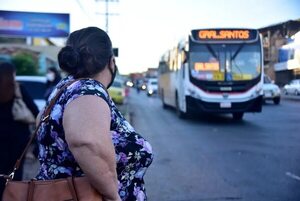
(214, 71)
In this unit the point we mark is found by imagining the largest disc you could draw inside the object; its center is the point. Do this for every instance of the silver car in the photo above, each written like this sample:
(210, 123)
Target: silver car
(271, 90)
(292, 88)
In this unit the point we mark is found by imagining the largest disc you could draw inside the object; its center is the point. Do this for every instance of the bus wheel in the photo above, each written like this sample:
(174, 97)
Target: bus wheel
(238, 116)
(164, 105)
(180, 114)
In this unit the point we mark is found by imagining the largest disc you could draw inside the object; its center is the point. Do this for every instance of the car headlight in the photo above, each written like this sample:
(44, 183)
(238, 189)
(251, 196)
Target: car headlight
(191, 91)
(276, 90)
(259, 90)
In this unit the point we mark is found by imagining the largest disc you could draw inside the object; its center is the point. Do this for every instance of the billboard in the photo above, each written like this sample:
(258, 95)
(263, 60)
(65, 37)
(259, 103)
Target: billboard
(31, 24)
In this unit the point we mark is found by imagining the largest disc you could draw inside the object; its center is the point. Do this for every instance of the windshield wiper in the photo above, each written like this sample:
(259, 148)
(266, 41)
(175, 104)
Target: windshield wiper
(237, 51)
(212, 51)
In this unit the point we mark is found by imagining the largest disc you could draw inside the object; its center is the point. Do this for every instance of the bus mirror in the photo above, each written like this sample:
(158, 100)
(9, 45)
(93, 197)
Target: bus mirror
(184, 57)
(116, 52)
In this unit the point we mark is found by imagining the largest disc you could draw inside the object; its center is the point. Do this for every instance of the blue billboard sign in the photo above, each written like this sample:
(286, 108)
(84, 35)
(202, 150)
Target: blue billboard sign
(30, 24)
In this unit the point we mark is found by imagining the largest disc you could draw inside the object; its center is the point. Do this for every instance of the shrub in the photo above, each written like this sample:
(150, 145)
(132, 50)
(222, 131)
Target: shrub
(25, 64)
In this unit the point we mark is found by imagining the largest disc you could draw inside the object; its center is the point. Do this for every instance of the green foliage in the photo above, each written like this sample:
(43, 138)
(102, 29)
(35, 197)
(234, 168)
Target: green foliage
(25, 64)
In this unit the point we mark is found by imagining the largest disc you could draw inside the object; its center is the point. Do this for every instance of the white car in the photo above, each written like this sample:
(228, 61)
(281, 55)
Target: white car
(151, 86)
(36, 87)
(271, 90)
(292, 88)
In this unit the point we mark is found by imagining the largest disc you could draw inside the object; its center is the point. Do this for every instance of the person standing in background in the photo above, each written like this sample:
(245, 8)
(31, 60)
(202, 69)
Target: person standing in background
(14, 135)
(53, 77)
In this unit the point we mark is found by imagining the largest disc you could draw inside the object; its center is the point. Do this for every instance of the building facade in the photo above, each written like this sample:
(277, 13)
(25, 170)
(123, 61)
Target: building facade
(274, 38)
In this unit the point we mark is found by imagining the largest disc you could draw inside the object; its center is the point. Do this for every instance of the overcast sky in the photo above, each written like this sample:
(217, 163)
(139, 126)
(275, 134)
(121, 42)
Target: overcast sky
(143, 30)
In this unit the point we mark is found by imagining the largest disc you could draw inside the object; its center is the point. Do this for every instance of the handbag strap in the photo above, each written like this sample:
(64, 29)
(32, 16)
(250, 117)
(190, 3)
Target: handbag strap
(72, 187)
(44, 119)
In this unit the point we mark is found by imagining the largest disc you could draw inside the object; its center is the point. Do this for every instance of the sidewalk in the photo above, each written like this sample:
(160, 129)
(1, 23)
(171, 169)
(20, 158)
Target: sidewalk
(125, 110)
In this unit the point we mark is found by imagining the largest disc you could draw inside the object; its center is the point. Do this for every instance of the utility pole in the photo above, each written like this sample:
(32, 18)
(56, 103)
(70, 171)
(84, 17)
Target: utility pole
(107, 13)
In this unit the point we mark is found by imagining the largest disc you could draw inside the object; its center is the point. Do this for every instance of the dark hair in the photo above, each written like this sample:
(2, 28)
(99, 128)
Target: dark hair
(87, 52)
(57, 75)
(6, 68)
(53, 69)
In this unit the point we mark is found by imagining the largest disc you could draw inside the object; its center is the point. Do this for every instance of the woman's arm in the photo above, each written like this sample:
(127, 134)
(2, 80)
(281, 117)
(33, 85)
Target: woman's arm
(86, 121)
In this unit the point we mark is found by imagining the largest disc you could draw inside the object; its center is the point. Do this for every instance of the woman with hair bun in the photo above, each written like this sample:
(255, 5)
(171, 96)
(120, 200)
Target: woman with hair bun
(86, 134)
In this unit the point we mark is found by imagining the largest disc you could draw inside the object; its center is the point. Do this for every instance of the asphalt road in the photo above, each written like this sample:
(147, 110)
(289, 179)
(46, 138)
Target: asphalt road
(214, 158)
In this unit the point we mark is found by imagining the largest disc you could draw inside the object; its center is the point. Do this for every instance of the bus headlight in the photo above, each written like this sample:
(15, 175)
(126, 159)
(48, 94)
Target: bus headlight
(191, 91)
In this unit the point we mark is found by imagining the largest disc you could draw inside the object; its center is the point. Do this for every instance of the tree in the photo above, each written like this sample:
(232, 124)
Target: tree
(25, 64)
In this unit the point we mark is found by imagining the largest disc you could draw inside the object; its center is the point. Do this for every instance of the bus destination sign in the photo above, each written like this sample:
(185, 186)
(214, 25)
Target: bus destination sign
(224, 34)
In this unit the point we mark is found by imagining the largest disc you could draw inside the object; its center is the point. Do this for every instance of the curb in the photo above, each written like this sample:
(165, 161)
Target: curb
(127, 112)
(290, 97)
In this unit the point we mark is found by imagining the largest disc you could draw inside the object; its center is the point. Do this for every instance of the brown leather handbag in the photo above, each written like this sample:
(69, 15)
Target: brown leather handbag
(66, 189)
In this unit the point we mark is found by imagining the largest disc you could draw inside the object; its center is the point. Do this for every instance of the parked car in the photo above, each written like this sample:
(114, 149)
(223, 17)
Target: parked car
(151, 86)
(271, 90)
(36, 87)
(292, 88)
(117, 91)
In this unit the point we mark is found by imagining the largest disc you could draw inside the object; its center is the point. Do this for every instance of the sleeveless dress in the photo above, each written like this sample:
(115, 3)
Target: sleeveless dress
(133, 152)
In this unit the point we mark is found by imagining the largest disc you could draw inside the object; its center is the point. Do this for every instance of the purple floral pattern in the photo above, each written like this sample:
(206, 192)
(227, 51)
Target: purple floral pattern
(133, 152)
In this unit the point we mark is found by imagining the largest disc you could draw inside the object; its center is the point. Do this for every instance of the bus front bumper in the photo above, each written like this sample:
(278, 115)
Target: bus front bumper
(253, 105)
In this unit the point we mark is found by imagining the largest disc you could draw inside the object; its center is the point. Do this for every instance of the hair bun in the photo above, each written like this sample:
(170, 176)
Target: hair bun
(69, 59)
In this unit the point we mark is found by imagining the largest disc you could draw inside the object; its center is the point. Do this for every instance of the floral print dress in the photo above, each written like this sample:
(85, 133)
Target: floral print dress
(133, 152)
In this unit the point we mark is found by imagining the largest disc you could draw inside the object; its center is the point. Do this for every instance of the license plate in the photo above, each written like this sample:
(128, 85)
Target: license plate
(225, 105)
(268, 94)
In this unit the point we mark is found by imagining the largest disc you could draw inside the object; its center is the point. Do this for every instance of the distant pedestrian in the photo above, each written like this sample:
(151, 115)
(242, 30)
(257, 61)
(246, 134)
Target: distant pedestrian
(85, 133)
(53, 77)
(13, 134)
(138, 86)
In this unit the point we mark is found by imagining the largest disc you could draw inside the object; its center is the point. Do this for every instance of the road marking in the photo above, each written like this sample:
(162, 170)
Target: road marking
(292, 176)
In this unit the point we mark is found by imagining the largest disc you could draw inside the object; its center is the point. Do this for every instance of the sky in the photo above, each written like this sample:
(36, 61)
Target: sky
(143, 30)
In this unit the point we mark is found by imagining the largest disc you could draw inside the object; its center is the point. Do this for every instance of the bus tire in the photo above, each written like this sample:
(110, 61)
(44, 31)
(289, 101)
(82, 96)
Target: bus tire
(164, 105)
(180, 114)
(238, 116)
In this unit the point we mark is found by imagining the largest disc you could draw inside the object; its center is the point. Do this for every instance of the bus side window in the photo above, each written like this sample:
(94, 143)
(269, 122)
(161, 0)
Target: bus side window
(184, 60)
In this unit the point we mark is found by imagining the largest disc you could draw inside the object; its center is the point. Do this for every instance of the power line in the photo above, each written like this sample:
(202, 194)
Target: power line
(83, 9)
(107, 13)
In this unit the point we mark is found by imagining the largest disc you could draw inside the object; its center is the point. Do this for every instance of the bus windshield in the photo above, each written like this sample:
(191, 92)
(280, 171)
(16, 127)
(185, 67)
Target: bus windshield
(225, 62)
